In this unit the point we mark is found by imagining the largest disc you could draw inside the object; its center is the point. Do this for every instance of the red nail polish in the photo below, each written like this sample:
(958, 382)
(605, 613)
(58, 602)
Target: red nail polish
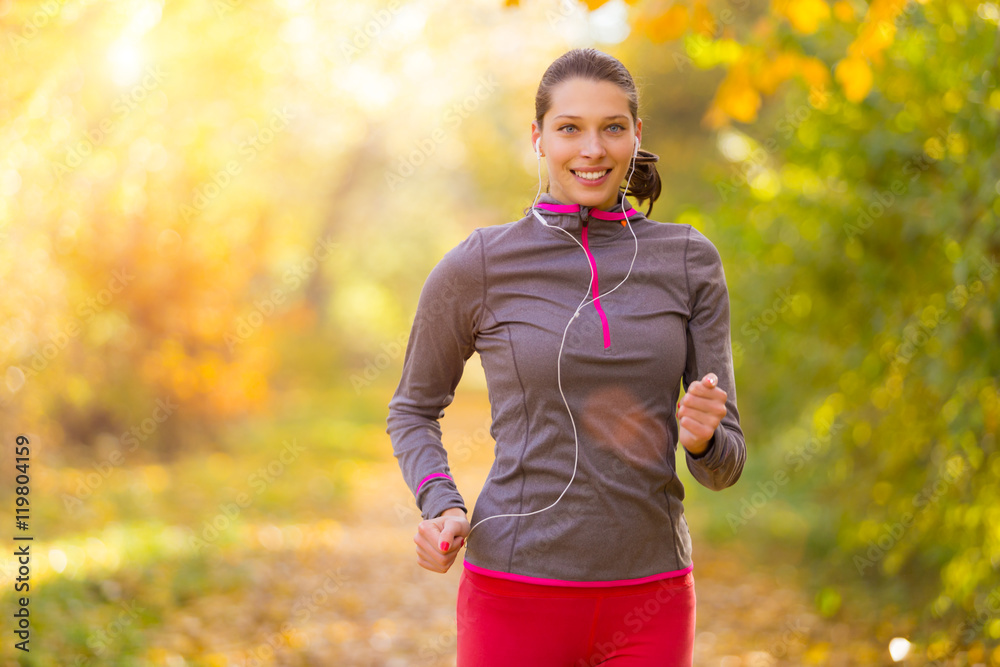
(444, 546)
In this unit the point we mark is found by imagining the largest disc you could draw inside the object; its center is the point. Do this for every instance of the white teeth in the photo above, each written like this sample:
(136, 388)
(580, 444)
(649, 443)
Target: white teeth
(591, 175)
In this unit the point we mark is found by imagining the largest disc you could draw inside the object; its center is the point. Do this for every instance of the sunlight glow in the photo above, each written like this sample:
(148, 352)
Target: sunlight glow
(989, 11)
(298, 30)
(898, 649)
(57, 559)
(407, 22)
(379, 89)
(733, 145)
(609, 23)
(126, 62)
(125, 54)
(765, 184)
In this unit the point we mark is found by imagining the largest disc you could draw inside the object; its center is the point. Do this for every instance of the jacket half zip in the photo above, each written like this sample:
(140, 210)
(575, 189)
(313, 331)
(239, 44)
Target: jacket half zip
(597, 291)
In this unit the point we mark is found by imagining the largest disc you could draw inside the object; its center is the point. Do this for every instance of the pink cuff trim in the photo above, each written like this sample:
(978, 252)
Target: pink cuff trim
(569, 582)
(430, 476)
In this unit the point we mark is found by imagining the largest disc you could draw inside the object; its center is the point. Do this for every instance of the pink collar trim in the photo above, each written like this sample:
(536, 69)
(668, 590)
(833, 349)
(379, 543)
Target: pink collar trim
(594, 213)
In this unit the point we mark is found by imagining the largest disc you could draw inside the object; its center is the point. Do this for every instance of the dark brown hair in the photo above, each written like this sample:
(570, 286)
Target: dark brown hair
(594, 65)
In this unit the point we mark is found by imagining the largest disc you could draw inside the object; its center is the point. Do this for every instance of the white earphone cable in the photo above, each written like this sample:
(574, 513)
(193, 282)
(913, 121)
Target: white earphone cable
(576, 313)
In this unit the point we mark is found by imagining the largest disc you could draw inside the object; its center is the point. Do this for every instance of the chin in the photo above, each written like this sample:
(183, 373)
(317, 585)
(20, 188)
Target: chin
(595, 200)
(589, 197)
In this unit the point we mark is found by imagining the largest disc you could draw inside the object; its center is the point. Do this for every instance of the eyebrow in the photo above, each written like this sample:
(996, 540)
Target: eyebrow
(563, 115)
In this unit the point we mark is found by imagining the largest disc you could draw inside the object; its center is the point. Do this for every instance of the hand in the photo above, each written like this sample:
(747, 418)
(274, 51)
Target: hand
(699, 413)
(440, 539)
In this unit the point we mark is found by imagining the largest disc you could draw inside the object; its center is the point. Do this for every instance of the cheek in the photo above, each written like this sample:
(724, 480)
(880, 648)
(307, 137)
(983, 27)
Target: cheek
(561, 160)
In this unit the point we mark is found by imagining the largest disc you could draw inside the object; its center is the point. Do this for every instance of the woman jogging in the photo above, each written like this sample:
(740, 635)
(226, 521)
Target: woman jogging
(587, 316)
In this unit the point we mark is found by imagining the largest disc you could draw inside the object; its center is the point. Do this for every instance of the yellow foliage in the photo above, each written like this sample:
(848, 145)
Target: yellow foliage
(854, 76)
(814, 71)
(785, 63)
(669, 25)
(878, 30)
(771, 72)
(594, 4)
(934, 148)
(874, 38)
(763, 29)
(208, 371)
(885, 10)
(736, 96)
(155, 477)
(702, 20)
(953, 101)
(805, 16)
(843, 11)
(714, 117)
(817, 654)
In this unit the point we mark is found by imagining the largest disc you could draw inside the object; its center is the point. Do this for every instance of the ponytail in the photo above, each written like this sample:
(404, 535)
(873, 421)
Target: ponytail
(645, 184)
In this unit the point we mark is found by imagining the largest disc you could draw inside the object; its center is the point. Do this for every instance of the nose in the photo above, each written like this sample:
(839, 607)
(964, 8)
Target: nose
(593, 147)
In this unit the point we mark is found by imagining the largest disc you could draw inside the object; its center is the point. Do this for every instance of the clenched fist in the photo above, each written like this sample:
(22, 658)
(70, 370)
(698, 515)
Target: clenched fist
(439, 539)
(699, 413)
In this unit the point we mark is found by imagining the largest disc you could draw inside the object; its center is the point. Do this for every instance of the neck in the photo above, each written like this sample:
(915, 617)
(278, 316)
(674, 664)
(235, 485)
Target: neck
(573, 217)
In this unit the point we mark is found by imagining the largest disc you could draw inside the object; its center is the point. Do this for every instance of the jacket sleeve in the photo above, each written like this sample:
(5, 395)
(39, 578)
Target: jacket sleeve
(709, 350)
(442, 339)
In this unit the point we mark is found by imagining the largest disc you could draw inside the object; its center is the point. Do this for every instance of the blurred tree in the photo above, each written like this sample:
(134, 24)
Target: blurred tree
(867, 207)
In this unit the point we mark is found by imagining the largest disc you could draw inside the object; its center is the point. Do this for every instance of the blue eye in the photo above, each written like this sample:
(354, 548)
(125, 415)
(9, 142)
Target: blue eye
(567, 127)
(619, 126)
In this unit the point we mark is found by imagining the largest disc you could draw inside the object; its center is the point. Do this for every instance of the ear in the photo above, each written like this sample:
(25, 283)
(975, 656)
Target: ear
(638, 131)
(536, 137)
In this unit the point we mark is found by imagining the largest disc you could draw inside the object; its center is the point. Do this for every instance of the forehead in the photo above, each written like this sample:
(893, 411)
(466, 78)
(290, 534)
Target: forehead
(589, 100)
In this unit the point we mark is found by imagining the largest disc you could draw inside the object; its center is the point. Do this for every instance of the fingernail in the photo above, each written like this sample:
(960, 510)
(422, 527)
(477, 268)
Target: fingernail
(461, 541)
(444, 546)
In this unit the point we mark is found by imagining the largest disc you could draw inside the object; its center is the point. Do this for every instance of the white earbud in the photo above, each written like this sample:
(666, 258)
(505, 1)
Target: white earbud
(635, 151)
(538, 147)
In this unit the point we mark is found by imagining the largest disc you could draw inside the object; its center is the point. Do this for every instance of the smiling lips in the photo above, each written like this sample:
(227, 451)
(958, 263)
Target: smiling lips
(591, 176)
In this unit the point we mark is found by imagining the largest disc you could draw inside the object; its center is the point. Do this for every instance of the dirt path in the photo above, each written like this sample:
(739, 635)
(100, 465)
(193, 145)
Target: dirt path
(387, 611)
(397, 613)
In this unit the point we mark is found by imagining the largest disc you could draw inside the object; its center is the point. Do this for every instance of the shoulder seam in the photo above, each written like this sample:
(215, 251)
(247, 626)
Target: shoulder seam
(482, 257)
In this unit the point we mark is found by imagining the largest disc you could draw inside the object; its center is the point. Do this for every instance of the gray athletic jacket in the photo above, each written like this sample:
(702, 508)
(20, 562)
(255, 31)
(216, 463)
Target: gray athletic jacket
(507, 292)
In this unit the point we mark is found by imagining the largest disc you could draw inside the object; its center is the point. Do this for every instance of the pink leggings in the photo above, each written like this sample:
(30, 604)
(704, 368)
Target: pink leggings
(503, 623)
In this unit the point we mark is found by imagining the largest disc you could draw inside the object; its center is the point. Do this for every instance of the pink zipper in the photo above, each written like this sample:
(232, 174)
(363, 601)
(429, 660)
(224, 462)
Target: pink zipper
(597, 300)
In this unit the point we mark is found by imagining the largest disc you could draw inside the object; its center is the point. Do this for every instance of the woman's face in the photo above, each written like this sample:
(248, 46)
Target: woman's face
(587, 132)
